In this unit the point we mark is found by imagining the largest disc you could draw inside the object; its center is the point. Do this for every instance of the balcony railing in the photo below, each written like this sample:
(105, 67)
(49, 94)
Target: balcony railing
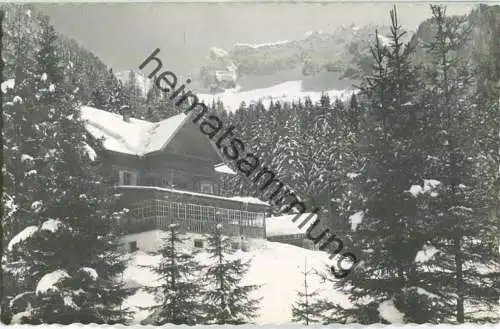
(193, 212)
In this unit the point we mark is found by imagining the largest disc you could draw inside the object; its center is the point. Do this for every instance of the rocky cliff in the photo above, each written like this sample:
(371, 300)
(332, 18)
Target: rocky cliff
(340, 55)
(483, 45)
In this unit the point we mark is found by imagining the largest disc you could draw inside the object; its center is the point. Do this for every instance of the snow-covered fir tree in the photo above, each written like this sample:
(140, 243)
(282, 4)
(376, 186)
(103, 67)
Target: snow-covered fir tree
(16, 114)
(154, 100)
(460, 225)
(113, 91)
(63, 201)
(179, 294)
(134, 96)
(488, 72)
(227, 299)
(159, 106)
(305, 309)
(388, 237)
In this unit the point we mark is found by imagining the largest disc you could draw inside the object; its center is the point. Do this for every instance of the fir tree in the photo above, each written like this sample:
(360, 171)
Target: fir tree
(462, 206)
(18, 118)
(306, 309)
(20, 34)
(98, 98)
(179, 293)
(228, 300)
(153, 103)
(71, 205)
(133, 95)
(488, 72)
(354, 112)
(114, 93)
(159, 106)
(388, 238)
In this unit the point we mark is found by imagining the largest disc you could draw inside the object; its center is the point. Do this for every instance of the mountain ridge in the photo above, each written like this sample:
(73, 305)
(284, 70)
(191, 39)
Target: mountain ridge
(320, 61)
(338, 55)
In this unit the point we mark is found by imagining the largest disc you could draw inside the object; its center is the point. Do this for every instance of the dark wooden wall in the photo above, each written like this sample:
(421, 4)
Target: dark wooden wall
(185, 163)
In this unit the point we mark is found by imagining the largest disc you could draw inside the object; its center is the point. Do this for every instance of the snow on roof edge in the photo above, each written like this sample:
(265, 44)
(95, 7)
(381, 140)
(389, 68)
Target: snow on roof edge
(177, 128)
(249, 199)
(158, 125)
(166, 189)
(223, 168)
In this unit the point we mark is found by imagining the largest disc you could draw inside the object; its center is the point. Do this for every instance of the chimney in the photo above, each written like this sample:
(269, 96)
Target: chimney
(126, 113)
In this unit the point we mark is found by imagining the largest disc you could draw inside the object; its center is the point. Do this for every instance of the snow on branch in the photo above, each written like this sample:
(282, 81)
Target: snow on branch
(21, 236)
(51, 225)
(49, 280)
(425, 254)
(90, 272)
(356, 219)
(389, 312)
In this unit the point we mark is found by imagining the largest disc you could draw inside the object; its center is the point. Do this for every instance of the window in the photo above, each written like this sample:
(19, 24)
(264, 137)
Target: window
(207, 188)
(181, 185)
(168, 178)
(132, 246)
(151, 181)
(128, 177)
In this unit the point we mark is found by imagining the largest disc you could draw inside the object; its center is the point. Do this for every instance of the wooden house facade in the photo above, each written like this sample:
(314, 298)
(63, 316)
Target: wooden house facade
(169, 172)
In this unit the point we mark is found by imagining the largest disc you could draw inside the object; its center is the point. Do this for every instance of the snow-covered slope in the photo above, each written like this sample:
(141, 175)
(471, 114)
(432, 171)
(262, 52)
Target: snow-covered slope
(276, 266)
(288, 91)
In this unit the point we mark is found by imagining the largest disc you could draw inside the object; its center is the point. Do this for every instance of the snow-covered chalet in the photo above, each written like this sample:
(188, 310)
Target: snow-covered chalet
(169, 172)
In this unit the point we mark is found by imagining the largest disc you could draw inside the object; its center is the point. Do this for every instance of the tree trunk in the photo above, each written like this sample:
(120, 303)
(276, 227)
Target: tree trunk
(459, 281)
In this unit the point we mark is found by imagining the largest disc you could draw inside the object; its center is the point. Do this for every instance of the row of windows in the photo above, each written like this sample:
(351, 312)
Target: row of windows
(177, 212)
(127, 177)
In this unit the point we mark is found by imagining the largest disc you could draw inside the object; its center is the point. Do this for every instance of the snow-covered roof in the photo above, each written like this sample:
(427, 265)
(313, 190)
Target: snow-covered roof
(283, 225)
(136, 137)
(162, 132)
(223, 168)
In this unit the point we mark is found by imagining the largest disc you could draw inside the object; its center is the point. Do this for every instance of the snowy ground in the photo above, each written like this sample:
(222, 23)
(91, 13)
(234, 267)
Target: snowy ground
(275, 265)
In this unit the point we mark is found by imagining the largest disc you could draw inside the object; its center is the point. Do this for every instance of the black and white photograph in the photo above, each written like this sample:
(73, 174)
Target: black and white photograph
(234, 163)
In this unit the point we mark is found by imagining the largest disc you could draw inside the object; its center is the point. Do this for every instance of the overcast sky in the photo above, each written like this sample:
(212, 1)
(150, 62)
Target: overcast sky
(123, 34)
